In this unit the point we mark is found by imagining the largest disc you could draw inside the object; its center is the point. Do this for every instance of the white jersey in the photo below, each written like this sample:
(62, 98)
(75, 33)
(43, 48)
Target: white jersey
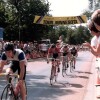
(18, 56)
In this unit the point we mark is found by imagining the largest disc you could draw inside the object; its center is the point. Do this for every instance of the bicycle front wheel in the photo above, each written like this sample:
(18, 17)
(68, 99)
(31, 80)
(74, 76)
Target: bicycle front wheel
(8, 93)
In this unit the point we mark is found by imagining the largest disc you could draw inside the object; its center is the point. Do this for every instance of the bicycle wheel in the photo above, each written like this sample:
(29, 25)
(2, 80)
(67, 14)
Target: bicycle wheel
(71, 66)
(8, 93)
(64, 69)
(53, 75)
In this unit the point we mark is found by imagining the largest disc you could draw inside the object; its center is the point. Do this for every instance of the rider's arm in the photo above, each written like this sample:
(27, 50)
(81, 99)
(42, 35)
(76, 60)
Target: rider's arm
(48, 55)
(3, 61)
(2, 65)
(22, 70)
(22, 62)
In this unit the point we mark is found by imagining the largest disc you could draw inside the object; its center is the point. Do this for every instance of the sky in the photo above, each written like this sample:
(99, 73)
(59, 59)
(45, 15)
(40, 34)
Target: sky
(67, 7)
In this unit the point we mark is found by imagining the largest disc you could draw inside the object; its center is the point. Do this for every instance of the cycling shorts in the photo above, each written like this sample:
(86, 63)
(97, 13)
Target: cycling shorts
(16, 67)
(65, 54)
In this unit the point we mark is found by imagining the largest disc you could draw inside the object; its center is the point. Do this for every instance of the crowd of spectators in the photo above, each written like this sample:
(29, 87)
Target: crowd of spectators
(31, 49)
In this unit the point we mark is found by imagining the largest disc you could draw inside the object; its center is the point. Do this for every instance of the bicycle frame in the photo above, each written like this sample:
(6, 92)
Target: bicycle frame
(64, 65)
(54, 73)
(9, 88)
(72, 63)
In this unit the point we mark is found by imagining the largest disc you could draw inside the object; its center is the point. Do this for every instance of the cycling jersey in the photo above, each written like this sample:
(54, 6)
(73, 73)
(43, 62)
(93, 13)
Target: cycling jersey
(64, 51)
(54, 52)
(73, 52)
(18, 56)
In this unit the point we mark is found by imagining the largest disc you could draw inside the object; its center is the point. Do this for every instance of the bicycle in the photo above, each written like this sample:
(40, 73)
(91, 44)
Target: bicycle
(9, 92)
(54, 71)
(72, 63)
(65, 66)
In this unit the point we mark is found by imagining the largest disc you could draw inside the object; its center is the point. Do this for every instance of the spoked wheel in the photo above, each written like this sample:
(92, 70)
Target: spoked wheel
(64, 69)
(53, 77)
(71, 66)
(8, 93)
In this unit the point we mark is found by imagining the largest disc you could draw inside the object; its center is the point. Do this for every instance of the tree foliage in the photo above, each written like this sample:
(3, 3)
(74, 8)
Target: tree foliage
(20, 15)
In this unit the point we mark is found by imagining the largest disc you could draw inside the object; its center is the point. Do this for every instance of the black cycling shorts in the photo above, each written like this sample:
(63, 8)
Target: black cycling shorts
(15, 67)
(55, 56)
(65, 54)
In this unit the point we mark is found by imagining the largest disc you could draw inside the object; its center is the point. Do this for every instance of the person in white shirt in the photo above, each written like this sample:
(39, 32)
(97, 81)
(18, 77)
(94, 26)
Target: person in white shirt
(94, 27)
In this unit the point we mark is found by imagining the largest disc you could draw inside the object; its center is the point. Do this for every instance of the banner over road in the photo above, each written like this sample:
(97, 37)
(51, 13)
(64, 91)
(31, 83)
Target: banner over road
(47, 20)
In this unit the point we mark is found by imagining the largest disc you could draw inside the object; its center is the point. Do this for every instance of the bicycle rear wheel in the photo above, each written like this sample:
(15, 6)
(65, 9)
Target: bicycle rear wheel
(71, 66)
(8, 93)
(64, 68)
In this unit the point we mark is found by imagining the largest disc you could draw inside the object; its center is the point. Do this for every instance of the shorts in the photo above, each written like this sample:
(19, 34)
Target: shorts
(15, 67)
(55, 55)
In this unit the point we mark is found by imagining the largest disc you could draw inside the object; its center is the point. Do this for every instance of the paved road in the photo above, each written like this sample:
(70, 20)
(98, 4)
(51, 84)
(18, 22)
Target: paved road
(74, 86)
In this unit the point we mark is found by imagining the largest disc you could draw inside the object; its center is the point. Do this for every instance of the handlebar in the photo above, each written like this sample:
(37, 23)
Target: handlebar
(12, 75)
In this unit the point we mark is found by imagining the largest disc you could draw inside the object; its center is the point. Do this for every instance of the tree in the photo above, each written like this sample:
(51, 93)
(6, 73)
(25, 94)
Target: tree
(20, 15)
(2, 14)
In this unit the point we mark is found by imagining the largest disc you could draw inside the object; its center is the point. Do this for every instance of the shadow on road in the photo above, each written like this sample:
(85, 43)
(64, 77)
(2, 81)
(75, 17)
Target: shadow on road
(77, 85)
(84, 72)
(39, 88)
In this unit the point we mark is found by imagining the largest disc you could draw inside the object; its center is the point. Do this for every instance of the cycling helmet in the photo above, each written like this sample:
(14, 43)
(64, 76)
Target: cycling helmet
(9, 46)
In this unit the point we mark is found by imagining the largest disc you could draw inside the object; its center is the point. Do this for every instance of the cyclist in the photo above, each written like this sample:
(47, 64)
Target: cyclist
(53, 52)
(74, 54)
(65, 53)
(18, 63)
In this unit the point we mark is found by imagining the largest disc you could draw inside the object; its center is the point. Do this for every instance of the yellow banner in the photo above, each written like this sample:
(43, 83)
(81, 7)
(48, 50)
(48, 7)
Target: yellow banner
(47, 20)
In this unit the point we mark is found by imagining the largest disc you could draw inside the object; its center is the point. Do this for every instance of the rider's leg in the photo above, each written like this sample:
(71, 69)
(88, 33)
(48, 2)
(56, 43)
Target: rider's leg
(52, 69)
(74, 62)
(22, 85)
(67, 61)
(22, 89)
(58, 63)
